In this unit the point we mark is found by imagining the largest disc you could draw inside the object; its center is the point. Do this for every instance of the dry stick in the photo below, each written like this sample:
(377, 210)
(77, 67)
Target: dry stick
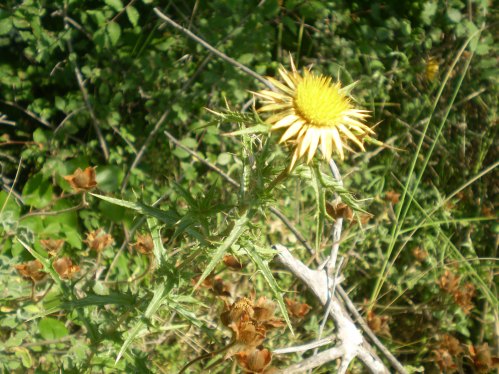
(81, 84)
(352, 343)
(81, 205)
(212, 49)
(391, 358)
(29, 113)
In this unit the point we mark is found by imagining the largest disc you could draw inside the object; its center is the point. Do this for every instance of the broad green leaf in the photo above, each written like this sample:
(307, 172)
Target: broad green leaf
(114, 32)
(117, 5)
(51, 328)
(133, 15)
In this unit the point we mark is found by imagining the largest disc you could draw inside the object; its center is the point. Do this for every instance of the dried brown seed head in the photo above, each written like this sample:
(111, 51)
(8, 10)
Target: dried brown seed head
(98, 240)
(450, 344)
(296, 309)
(31, 270)
(419, 254)
(53, 246)
(65, 267)
(392, 196)
(248, 332)
(144, 244)
(464, 296)
(379, 324)
(482, 358)
(255, 361)
(339, 210)
(82, 180)
(232, 262)
(449, 282)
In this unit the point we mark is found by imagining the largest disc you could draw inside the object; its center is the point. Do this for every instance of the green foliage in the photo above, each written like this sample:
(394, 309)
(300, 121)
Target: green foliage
(97, 83)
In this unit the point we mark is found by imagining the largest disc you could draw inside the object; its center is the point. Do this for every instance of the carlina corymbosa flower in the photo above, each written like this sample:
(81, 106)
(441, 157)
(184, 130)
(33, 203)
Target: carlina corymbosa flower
(314, 111)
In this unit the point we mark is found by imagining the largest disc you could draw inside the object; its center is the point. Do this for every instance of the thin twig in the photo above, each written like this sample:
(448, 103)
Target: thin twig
(81, 205)
(304, 347)
(84, 92)
(212, 49)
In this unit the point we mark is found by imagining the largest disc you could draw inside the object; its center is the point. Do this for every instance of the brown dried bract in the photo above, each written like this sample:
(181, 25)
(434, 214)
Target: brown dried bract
(82, 180)
(98, 240)
(53, 246)
(445, 360)
(255, 361)
(297, 309)
(31, 270)
(232, 262)
(463, 297)
(339, 210)
(451, 344)
(144, 244)
(248, 332)
(379, 324)
(392, 196)
(482, 359)
(419, 254)
(449, 282)
(65, 267)
(233, 313)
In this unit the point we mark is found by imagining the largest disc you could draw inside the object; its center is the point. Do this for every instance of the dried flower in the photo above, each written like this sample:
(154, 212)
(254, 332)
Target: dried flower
(53, 246)
(144, 244)
(339, 210)
(392, 196)
(263, 312)
(445, 360)
(296, 309)
(249, 332)
(234, 312)
(31, 270)
(463, 297)
(98, 240)
(419, 254)
(482, 359)
(65, 267)
(82, 180)
(451, 344)
(315, 112)
(379, 324)
(449, 282)
(255, 361)
(232, 262)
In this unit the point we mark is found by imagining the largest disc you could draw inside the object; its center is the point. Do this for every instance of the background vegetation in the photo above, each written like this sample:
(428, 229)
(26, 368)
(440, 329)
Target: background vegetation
(96, 83)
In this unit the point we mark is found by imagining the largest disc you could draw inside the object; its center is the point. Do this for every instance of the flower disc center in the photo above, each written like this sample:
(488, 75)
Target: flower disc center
(320, 102)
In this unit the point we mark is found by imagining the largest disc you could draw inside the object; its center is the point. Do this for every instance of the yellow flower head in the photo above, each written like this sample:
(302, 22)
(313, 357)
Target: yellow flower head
(314, 111)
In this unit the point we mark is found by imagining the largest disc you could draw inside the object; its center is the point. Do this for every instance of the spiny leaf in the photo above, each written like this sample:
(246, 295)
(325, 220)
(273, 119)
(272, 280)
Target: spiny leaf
(169, 217)
(263, 266)
(239, 227)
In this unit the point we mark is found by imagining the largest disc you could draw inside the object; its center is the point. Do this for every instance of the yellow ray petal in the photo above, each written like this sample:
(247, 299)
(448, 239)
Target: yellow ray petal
(326, 144)
(351, 136)
(337, 142)
(305, 142)
(270, 107)
(292, 131)
(285, 122)
(313, 144)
